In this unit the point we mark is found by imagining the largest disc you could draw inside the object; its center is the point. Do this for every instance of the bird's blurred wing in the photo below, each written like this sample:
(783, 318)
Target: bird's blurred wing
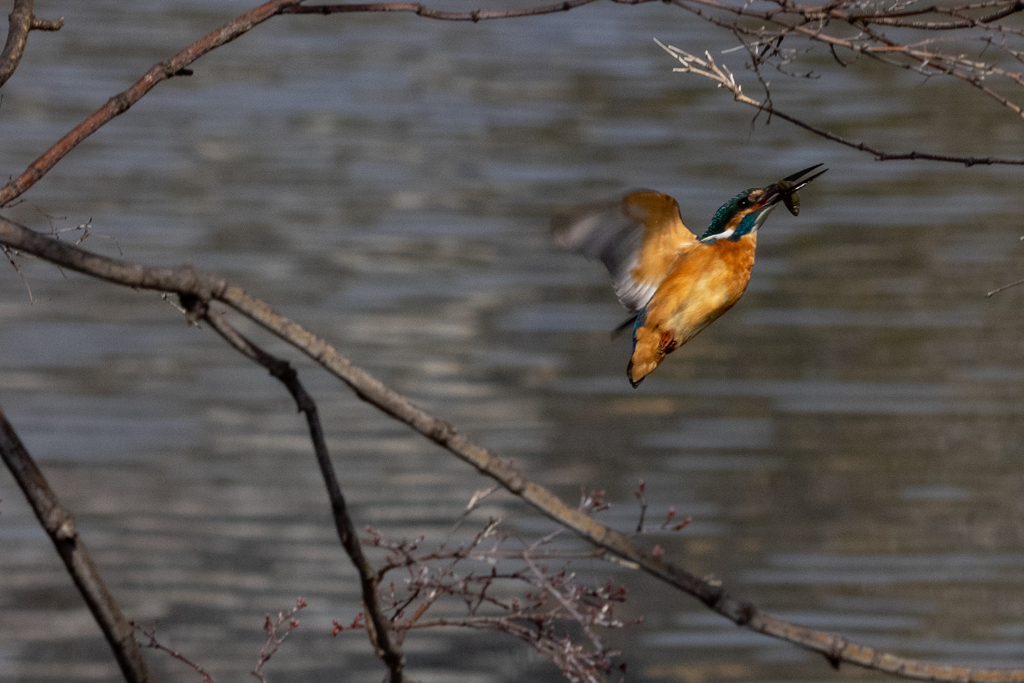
(637, 238)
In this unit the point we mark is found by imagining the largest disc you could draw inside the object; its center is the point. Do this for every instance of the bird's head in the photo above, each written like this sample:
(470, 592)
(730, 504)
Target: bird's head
(744, 213)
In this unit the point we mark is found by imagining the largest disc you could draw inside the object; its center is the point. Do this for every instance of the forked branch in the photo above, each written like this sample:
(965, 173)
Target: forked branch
(707, 67)
(185, 281)
(788, 20)
(21, 21)
(281, 370)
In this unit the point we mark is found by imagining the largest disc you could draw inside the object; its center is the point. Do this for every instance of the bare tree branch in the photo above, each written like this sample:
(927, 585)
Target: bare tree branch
(120, 103)
(176, 66)
(277, 631)
(708, 68)
(21, 21)
(806, 21)
(59, 525)
(153, 643)
(422, 10)
(811, 21)
(281, 370)
(186, 281)
(895, 18)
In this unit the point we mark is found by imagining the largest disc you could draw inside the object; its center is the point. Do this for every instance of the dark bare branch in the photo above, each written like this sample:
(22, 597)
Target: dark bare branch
(177, 66)
(897, 18)
(186, 281)
(120, 103)
(811, 23)
(59, 525)
(377, 623)
(21, 22)
(421, 10)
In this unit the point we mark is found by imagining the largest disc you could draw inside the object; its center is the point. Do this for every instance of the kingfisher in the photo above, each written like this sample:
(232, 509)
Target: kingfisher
(674, 283)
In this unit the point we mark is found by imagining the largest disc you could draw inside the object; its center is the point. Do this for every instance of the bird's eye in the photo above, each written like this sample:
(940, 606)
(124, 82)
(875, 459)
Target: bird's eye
(744, 203)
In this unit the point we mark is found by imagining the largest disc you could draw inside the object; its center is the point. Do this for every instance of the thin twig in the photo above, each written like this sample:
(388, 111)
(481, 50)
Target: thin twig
(708, 68)
(59, 525)
(285, 621)
(421, 10)
(567, 604)
(377, 624)
(642, 500)
(1005, 287)
(152, 642)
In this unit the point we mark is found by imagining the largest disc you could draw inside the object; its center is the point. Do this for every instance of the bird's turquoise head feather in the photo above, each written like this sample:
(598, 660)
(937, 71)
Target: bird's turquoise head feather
(745, 212)
(744, 204)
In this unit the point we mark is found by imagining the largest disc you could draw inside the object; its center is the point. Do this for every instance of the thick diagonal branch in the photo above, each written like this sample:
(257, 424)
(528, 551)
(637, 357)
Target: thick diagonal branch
(177, 65)
(186, 281)
(59, 525)
(120, 103)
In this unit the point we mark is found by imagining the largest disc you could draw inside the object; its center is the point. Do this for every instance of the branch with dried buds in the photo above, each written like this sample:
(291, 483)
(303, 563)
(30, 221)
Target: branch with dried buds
(707, 67)
(503, 585)
(277, 630)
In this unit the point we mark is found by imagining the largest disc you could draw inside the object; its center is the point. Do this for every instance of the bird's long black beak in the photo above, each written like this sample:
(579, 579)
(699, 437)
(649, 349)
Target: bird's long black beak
(795, 178)
(789, 185)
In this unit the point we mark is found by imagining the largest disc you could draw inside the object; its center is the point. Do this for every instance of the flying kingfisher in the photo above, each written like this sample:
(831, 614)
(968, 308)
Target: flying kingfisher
(675, 283)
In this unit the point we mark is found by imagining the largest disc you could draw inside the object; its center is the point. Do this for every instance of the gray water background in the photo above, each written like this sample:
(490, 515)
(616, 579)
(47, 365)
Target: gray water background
(846, 440)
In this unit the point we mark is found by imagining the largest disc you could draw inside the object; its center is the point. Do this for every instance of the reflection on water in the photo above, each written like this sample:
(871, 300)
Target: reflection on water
(845, 440)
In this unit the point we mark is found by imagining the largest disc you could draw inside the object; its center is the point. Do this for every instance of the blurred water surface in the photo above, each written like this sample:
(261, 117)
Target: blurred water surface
(846, 440)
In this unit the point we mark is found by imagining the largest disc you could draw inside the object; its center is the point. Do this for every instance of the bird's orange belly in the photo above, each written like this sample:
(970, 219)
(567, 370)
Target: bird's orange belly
(700, 289)
(705, 283)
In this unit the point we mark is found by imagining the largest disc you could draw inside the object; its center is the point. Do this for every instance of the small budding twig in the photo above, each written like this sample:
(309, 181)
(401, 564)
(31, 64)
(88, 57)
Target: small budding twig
(669, 516)
(277, 630)
(639, 495)
(542, 601)
(153, 643)
(724, 78)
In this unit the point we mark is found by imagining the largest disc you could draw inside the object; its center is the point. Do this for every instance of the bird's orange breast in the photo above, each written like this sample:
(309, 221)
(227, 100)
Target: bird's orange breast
(702, 285)
(704, 282)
